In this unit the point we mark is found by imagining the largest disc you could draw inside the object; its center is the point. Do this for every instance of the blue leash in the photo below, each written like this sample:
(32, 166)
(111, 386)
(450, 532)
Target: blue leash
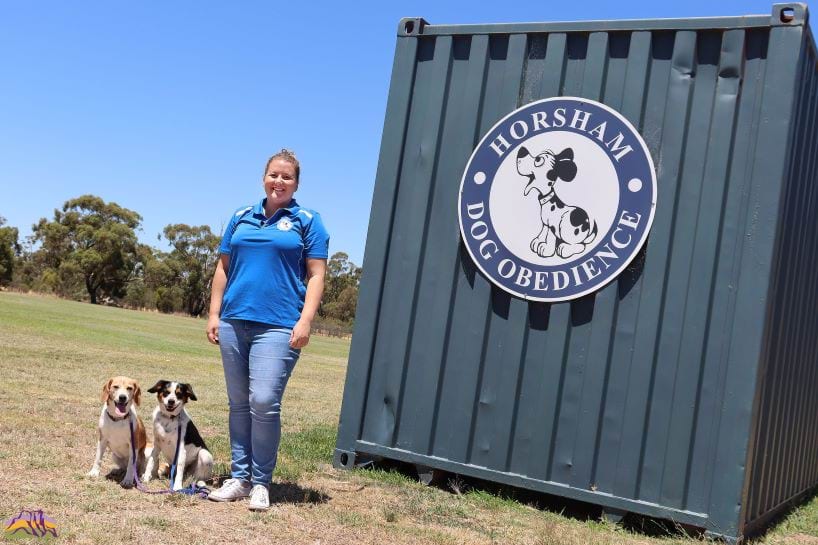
(191, 490)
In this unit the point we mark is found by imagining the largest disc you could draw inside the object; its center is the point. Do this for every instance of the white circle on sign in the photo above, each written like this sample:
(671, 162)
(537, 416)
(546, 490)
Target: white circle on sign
(479, 177)
(517, 217)
(634, 185)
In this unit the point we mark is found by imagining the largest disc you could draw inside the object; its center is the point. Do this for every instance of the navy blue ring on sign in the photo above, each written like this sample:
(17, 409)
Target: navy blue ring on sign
(557, 199)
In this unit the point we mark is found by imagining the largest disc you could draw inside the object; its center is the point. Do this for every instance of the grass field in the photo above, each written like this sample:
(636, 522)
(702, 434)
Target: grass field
(55, 356)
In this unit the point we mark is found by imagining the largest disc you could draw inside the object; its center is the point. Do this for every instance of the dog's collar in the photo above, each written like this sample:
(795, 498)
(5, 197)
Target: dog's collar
(116, 419)
(170, 416)
(544, 198)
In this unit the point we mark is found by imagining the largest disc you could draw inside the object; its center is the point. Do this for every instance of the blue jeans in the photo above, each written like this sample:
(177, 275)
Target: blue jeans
(257, 361)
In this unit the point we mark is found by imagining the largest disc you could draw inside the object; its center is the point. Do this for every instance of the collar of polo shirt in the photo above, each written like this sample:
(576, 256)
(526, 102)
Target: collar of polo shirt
(258, 210)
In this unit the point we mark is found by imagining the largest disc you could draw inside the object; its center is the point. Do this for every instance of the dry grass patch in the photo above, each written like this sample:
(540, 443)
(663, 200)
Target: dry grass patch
(56, 355)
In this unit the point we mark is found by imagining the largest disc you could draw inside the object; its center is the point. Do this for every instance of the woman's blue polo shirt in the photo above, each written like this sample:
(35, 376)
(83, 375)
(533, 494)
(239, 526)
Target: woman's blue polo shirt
(266, 275)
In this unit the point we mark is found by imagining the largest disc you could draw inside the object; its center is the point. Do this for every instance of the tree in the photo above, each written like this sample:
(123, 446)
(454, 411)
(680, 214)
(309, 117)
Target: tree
(341, 288)
(192, 261)
(93, 240)
(343, 307)
(140, 293)
(9, 251)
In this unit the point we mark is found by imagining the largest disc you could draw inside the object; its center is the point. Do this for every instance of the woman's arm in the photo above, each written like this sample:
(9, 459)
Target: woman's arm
(216, 294)
(316, 269)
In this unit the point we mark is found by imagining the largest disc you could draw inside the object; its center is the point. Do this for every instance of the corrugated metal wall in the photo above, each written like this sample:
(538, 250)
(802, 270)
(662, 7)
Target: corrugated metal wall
(639, 396)
(786, 435)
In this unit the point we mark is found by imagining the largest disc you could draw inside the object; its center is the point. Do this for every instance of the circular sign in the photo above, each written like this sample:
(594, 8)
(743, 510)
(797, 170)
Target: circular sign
(557, 199)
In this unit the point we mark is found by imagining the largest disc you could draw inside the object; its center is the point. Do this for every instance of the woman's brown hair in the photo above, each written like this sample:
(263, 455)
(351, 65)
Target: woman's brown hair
(288, 156)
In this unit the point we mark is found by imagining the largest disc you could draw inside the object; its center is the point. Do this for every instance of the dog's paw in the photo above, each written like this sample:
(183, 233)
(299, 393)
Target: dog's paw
(544, 250)
(94, 473)
(567, 250)
(177, 486)
(146, 478)
(127, 482)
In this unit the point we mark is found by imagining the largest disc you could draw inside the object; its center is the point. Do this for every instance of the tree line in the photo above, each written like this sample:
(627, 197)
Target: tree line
(89, 251)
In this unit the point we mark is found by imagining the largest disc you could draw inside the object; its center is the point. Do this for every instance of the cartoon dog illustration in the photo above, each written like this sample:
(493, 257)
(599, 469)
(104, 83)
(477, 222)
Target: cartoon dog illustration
(566, 230)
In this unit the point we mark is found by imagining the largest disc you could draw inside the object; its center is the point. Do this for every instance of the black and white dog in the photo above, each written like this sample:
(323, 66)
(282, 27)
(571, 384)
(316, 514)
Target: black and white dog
(168, 418)
(566, 230)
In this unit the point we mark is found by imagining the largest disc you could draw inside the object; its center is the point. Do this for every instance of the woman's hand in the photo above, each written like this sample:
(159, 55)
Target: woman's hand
(301, 334)
(316, 269)
(213, 329)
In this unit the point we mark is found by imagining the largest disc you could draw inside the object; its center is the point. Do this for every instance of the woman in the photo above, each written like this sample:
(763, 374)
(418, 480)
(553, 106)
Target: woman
(266, 290)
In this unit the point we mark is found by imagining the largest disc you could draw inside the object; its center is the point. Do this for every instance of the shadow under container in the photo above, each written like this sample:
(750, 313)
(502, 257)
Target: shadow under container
(685, 389)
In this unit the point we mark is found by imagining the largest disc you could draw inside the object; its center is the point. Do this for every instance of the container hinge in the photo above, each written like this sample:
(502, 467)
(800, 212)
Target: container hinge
(789, 15)
(411, 26)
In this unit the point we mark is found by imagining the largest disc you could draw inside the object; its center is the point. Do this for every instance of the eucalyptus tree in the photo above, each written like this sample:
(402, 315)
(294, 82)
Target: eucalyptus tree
(192, 260)
(341, 288)
(9, 251)
(94, 241)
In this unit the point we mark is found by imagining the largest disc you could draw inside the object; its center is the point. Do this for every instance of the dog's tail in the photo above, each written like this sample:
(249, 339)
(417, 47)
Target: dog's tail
(591, 236)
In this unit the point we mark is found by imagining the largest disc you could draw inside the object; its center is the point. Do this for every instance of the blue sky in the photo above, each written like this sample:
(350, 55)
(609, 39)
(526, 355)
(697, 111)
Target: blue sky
(171, 108)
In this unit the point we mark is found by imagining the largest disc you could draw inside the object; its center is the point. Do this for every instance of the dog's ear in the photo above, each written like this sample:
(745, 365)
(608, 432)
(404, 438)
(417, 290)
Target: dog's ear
(106, 390)
(525, 163)
(188, 390)
(160, 384)
(137, 394)
(564, 166)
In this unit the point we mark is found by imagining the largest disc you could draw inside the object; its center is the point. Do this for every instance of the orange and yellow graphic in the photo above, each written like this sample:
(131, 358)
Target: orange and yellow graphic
(32, 523)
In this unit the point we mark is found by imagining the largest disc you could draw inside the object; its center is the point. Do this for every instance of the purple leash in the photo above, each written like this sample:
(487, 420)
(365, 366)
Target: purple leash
(191, 490)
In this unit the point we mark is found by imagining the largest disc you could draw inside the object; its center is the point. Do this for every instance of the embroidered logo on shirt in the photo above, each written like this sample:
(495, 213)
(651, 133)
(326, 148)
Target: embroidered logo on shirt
(284, 224)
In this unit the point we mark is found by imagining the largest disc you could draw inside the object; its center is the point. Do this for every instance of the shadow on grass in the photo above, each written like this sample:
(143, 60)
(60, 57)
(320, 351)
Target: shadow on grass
(654, 527)
(280, 492)
(292, 493)
(115, 475)
(285, 492)
(495, 495)
(780, 517)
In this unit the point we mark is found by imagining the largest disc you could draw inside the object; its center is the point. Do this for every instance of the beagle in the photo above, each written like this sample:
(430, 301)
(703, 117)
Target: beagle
(169, 418)
(566, 230)
(120, 397)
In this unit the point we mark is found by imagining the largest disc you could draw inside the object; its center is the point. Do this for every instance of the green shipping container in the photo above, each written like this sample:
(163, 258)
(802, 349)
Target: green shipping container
(653, 348)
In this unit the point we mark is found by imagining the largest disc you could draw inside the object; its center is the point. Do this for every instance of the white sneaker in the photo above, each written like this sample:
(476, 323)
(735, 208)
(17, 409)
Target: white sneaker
(231, 490)
(259, 498)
